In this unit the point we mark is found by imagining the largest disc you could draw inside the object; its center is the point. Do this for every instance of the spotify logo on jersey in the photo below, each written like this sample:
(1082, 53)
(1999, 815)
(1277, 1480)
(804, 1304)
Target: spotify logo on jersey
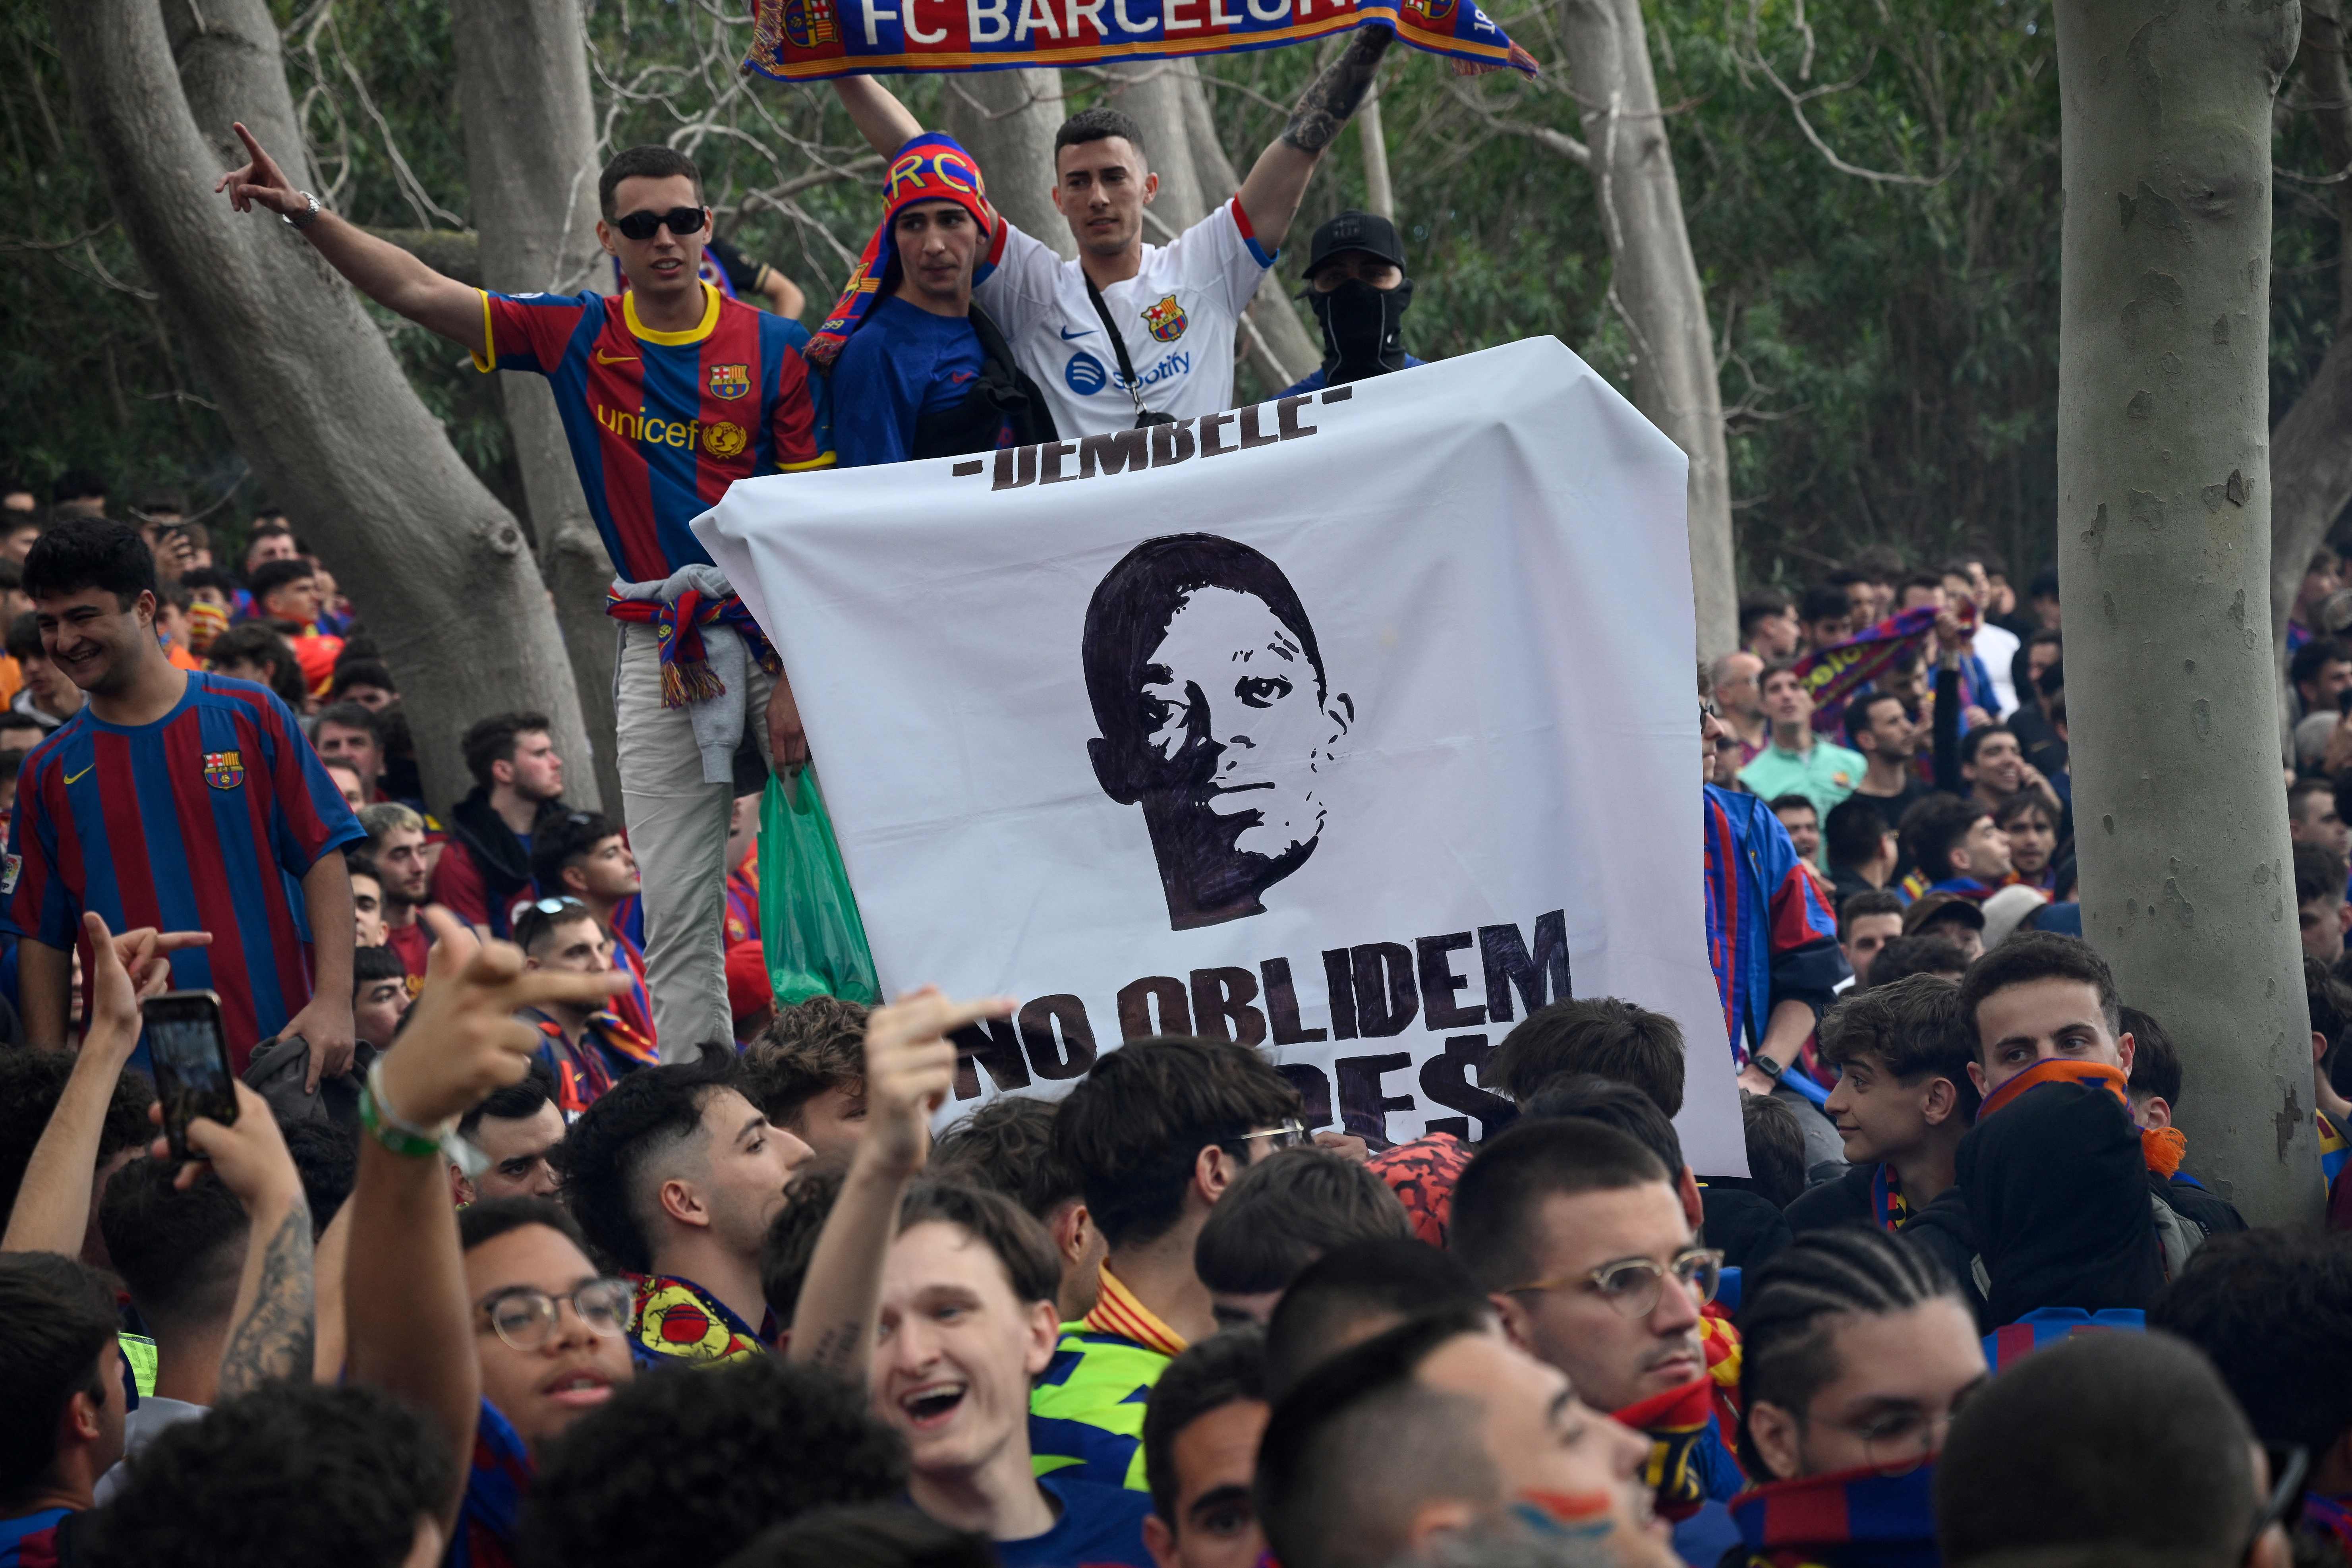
(1084, 373)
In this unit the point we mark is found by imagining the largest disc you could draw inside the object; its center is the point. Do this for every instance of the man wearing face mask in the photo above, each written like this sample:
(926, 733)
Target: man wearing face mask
(1357, 288)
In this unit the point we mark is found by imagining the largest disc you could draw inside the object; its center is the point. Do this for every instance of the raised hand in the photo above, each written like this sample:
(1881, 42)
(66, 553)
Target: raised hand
(259, 181)
(910, 1070)
(462, 1039)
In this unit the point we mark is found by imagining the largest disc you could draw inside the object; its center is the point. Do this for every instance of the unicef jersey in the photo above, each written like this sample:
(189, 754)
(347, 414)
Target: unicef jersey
(1179, 315)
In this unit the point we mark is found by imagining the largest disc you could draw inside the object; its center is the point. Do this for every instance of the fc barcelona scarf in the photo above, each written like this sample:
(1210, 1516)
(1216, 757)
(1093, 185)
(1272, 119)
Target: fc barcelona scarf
(810, 40)
(2161, 1147)
(1674, 1421)
(1887, 1209)
(2332, 1152)
(1850, 1519)
(1834, 673)
(686, 673)
(932, 167)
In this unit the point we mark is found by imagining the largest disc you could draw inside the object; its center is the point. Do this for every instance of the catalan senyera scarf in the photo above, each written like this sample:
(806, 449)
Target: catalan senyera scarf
(932, 167)
(686, 673)
(2161, 1147)
(1849, 1519)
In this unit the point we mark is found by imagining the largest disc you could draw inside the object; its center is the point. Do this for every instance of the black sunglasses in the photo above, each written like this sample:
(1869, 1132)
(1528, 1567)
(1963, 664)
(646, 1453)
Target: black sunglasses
(681, 220)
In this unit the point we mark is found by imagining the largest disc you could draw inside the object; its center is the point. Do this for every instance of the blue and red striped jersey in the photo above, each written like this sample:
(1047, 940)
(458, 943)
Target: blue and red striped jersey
(205, 820)
(1770, 934)
(661, 423)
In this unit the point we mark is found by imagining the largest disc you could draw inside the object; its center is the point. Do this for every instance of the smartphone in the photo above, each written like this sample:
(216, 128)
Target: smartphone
(189, 1056)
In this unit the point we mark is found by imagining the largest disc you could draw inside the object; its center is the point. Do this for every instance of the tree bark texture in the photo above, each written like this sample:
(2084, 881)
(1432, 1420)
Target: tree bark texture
(1007, 118)
(1654, 284)
(2164, 543)
(2311, 450)
(1294, 346)
(532, 166)
(305, 381)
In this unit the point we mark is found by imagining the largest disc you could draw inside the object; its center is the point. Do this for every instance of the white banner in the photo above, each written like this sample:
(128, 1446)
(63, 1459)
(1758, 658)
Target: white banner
(1353, 726)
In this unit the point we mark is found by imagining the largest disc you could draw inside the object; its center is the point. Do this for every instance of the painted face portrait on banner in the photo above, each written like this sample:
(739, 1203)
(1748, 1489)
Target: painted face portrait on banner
(1216, 717)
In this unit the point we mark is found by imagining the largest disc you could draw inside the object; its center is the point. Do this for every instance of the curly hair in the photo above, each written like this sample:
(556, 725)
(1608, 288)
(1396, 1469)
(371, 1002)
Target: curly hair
(682, 1469)
(289, 1473)
(812, 1047)
(31, 1084)
(1007, 1146)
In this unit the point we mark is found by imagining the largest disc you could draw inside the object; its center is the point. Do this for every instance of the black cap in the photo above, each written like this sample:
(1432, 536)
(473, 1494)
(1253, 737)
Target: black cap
(1368, 232)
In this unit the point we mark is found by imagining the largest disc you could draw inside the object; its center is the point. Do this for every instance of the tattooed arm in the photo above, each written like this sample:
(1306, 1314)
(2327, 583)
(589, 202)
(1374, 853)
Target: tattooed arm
(1276, 182)
(910, 1068)
(270, 1330)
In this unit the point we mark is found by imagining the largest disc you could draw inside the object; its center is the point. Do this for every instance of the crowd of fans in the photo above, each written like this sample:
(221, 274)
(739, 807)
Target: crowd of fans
(542, 1234)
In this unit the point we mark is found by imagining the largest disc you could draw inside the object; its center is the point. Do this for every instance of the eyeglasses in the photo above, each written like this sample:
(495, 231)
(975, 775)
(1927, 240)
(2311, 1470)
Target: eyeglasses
(1290, 1134)
(1899, 1441)
(555, 906)
(525, 1317)
(2286, 1497)
(1632, 1285)
(681, 220)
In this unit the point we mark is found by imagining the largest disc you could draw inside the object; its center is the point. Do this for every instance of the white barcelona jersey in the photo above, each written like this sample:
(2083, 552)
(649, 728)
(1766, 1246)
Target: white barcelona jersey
(1179, 315)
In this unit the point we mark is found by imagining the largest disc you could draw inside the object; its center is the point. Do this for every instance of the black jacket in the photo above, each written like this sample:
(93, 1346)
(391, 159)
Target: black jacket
(498, 854)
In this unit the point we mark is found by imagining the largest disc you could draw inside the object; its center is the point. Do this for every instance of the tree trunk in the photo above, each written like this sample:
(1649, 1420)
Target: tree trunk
(1291, 347)
(309, 386)
(1379, 195)
(2164, 539)
(2311, 450)
(1654, 285)
(531, 161)
(1007, 120)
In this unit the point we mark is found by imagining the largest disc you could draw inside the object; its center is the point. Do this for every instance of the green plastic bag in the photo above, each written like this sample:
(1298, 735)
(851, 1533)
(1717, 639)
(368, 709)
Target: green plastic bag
(809, 929)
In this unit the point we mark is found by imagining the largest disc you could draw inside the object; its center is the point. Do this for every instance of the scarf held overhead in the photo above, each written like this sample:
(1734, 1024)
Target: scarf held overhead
(932, 167)
(809, 40)
(1834, 673)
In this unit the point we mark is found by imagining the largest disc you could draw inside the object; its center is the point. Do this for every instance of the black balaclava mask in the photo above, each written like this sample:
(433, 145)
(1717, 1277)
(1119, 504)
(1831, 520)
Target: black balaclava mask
(1363, 328)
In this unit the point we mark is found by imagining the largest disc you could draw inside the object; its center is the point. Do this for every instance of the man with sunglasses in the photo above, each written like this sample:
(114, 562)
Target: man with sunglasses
(669, 395)
(587, 1046)
(1577, 1233)
(503, 1332)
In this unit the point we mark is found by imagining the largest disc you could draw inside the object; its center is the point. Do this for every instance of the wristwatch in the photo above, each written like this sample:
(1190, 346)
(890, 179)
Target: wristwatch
(308, 217)
(1767, 1066)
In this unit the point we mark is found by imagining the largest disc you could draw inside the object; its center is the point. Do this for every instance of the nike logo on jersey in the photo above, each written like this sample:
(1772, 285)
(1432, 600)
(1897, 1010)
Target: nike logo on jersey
(1067, 334)
(83, 774)
(603, 358)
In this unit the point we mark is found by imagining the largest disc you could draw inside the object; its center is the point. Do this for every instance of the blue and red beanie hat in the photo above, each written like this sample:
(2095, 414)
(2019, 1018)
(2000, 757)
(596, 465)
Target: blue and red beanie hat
(932, 167)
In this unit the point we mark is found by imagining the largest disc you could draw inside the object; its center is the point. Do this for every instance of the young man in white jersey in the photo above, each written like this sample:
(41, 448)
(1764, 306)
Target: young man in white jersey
(1175, 308)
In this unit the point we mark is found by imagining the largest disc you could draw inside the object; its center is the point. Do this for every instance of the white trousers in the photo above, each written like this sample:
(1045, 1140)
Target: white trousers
(677, 830)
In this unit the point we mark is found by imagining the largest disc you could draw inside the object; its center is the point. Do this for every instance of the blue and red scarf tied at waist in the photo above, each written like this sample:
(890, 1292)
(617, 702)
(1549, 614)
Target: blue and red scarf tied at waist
(686, 673)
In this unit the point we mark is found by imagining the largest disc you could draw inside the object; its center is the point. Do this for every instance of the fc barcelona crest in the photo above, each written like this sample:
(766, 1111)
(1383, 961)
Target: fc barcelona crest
(1429, 10)
(223, 770)
(730, 381)
(1166, 318)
